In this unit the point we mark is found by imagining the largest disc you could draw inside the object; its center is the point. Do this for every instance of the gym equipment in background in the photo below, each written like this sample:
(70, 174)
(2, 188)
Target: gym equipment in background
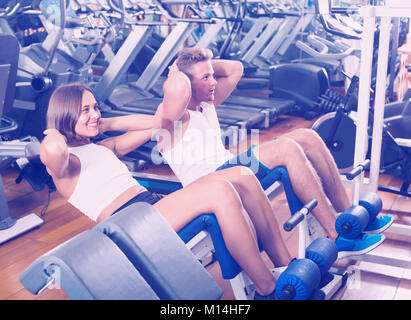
(338, 127)
(9, 226)
(360, 184)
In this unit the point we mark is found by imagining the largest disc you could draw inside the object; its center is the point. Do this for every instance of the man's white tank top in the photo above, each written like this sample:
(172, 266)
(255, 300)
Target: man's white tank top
(103, 177)
(200, 151)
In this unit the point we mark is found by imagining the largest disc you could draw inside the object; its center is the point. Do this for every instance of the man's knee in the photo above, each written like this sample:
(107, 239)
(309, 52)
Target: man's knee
(283, 151)
(310, 134)
(287, 147)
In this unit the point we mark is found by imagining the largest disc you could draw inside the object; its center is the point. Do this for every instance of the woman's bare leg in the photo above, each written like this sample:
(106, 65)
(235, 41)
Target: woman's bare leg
(260, 212)
(208, 195)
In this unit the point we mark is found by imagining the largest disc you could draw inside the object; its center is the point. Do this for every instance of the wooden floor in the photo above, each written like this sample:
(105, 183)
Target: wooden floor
(62, 222)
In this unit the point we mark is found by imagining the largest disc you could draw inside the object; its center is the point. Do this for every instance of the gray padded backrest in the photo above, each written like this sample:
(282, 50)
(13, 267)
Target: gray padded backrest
(159, 254)
(88, 266)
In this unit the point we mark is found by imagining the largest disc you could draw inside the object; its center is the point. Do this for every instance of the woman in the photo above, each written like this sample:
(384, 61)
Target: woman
(92, 178)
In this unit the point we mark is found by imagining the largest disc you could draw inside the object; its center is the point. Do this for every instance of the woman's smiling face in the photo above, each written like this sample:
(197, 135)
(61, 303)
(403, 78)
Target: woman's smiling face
(87, 125)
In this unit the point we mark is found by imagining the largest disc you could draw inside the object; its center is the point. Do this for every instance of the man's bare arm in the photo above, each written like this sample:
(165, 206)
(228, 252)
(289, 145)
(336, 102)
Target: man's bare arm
(177, 95)
(227, 74)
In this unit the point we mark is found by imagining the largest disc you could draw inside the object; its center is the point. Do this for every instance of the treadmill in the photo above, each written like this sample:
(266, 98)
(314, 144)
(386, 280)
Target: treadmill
(272, 43)
(274, 34)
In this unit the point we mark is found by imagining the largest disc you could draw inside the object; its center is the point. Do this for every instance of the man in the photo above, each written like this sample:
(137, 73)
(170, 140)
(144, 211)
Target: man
(196, 84)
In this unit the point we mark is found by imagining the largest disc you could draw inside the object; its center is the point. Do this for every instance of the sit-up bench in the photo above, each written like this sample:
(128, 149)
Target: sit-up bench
(132, 255)
(164, 263)
(133, 232)
(230, 270)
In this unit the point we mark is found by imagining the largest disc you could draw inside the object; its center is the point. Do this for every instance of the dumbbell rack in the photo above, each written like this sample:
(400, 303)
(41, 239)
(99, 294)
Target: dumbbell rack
(360, 184)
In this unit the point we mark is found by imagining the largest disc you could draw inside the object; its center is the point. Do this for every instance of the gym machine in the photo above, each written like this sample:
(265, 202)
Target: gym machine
(43, 67)
(360, 184)
(9, 226)
(204, 238)
(270, 56)
(310, 276)
(338, 129)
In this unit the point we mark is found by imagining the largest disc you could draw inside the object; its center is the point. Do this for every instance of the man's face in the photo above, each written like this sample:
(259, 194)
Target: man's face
(203, 83)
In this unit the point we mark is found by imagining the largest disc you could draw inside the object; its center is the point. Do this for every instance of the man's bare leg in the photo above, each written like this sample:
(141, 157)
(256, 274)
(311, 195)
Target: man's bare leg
(305, 180)
(324, 164)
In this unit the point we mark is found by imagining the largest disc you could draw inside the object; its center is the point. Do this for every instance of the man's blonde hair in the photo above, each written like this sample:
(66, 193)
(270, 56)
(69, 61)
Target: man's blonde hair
(190, 56)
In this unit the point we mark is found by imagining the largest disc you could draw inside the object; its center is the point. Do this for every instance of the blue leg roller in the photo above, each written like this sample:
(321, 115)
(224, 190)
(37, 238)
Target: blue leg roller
(353, 221)
(303, 277)
(298, 281)
(323, 252)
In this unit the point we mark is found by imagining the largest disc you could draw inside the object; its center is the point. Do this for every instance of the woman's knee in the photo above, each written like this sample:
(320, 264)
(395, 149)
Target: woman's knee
(218, 196)
(246, 181)
(241, 177)
(228, 206)
(236, 171)
(224, 193)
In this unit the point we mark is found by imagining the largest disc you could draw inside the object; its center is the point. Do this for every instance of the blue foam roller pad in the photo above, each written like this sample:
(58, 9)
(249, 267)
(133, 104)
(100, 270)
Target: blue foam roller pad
(352, 222)
(372, 203)
(298, 281)
(323, 252)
